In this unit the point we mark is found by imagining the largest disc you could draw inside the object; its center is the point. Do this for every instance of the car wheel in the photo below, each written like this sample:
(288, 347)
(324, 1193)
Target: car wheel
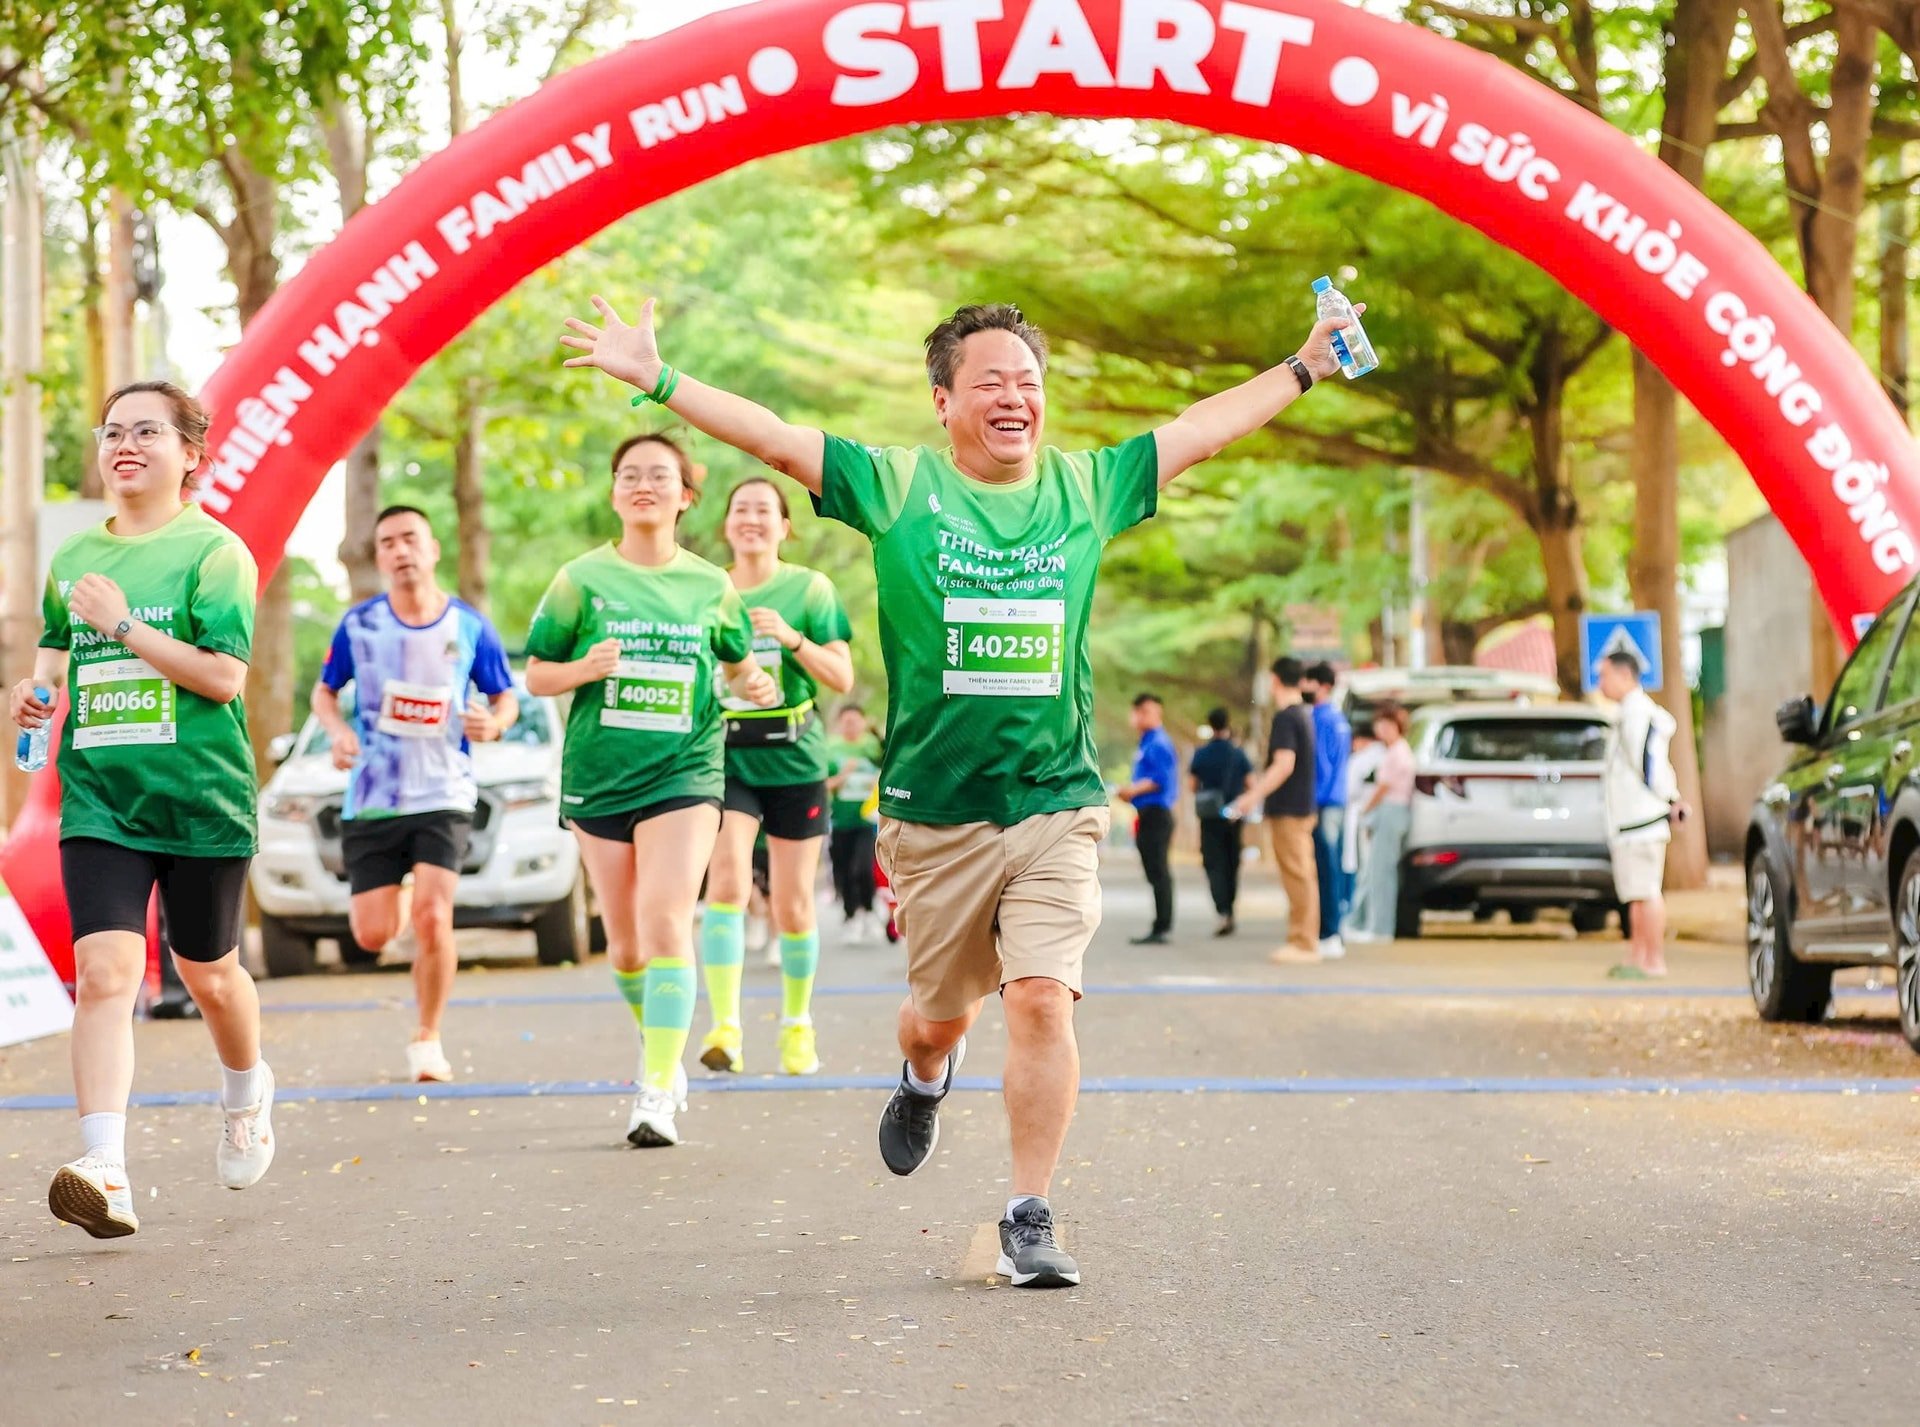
(1784, 987)
(1484, 912)
(284, 951)
(1523, 916)
(564, 931)
(1906, 945)
(1587, 920)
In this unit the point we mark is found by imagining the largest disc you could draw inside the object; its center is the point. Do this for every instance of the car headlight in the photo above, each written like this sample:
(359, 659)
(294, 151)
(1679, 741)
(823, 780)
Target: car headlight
(290, 807)
(526, 794)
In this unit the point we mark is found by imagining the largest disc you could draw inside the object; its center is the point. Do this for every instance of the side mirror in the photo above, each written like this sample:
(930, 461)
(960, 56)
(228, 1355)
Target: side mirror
(280, 747)
(1797, 721)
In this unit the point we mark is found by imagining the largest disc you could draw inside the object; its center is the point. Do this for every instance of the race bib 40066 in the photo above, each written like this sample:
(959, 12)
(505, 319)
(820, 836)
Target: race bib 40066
(1004, 647)
(122, 701)
(655, 698)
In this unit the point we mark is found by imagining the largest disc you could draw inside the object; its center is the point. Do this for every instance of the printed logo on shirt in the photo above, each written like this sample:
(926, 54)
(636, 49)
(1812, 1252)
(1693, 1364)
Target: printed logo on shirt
(902, 794)
(933, 502)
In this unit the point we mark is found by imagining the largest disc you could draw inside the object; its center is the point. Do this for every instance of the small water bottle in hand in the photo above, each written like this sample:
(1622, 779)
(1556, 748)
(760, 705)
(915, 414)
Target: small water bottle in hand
(30, 752)
(1350, 345)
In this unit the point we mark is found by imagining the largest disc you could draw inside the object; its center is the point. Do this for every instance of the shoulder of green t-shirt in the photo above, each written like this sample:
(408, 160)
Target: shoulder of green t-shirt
(866, 486)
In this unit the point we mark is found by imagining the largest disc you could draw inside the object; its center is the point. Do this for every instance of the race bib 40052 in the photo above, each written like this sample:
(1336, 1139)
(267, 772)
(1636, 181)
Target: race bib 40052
(1004, 647)
(652, 697)
(415, 710)
(122, 701)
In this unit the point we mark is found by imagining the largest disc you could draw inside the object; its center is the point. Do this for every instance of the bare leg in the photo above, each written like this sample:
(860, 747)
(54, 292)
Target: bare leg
(1650, 935)
(229, 1005)
(376, 917)
(671, 851)
(730, 876)
(435, 960)
(926, 1044)
(792, 866)
(109, 967)
(610, 868)
(1042, 1078)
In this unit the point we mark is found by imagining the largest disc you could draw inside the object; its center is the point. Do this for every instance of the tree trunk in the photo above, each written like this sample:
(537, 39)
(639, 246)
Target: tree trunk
(1562, 556)
(1831, 229)
(117, 310)
(347, 145)
(470, 502)
(22, 469)
(1701, 36)
(93, 299)
(1896, 234)
(1555, 516)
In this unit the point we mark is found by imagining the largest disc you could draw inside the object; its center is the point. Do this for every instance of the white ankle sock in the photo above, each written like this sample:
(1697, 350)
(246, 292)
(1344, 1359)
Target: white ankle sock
(241, 1089)
(106, 1136)
(924, 1087)
(1019, 1199)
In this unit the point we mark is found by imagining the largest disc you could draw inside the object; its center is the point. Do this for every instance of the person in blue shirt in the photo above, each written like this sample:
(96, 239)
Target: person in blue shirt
(1332, 743)
(1220, 771)
(412, 655)
(1155, 785)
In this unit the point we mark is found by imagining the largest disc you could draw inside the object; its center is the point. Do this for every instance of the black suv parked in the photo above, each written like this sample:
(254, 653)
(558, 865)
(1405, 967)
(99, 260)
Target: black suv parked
(1833, 851)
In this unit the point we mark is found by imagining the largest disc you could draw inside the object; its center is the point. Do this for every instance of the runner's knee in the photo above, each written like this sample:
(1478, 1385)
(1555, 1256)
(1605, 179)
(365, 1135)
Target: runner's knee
(1037, 1005)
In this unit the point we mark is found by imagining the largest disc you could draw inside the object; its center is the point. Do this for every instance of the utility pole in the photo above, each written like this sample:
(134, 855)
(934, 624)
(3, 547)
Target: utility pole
(22, 471)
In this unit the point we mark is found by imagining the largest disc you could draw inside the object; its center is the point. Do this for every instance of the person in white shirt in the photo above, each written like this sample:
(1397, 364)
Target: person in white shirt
(1643, 802)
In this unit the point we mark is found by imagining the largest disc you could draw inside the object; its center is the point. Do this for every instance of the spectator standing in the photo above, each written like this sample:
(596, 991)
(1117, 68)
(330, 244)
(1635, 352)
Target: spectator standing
(1332, 742)
(1387, 815)
(1156, 782)
(1285, 790)
(1220, 773)
(1643, 801)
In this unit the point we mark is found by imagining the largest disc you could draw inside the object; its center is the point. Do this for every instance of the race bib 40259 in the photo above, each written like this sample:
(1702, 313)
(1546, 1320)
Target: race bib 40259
(649, 696)
(1004, 647)
(122, 701)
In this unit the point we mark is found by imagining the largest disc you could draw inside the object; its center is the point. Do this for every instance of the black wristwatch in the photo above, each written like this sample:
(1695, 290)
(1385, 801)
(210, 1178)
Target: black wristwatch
(1300, 374)
(122, 629)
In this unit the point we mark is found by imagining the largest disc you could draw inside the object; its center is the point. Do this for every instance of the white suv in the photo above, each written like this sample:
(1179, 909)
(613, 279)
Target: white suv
(522, 868)
(1508, 814)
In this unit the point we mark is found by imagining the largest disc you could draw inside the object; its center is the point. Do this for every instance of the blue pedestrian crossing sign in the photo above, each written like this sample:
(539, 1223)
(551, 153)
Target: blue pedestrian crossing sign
(1637, 634)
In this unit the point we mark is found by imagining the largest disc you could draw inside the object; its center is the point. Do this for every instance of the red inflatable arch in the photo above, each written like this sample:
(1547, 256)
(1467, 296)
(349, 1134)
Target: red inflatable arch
(1476, 138)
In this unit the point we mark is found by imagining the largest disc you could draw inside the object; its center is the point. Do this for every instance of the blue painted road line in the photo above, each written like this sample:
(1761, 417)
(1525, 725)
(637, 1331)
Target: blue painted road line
(1413, 992)
(1097, 1085)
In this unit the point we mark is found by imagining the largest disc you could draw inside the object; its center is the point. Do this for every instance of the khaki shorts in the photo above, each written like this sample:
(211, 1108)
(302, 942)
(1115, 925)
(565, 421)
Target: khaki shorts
(1639, 869)
(981, 905)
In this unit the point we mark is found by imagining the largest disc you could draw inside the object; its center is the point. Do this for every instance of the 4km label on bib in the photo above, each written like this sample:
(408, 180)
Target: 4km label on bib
(122, 701)
(415, 710)
(654, 698)
(1004, 648)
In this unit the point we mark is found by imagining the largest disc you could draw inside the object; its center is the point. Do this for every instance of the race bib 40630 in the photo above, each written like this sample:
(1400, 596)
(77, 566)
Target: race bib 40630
(122, 701)
(1004, 647)
(653, 697)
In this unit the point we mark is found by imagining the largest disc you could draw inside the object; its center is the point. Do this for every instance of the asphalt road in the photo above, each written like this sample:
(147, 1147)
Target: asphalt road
(1467, 1180)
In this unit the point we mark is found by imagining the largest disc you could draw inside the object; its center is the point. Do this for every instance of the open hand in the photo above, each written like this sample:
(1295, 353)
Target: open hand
(1317, 352)
(629, 353)
(99, 602)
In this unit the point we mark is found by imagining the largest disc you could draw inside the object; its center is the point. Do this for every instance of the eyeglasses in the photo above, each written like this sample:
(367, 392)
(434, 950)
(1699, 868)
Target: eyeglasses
(144, 433)
(630, 480)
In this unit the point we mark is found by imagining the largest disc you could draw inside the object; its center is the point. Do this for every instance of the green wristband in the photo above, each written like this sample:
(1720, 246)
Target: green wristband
(663, 389)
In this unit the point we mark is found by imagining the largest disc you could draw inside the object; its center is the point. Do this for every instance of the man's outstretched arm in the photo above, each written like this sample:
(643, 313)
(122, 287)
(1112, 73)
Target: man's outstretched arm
(1214, 423)
(631, 354)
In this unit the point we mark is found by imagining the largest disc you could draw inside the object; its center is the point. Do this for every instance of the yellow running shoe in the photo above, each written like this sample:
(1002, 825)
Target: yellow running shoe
(797, 1052)
(721, 1050)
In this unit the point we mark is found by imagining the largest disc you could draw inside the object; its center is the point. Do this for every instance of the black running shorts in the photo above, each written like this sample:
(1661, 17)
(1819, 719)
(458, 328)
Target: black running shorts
(790, 811)
(380, 852)
(618, 827)
(109, 887)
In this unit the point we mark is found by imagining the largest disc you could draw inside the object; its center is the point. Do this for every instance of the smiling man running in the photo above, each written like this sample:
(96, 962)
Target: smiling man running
(992, 803)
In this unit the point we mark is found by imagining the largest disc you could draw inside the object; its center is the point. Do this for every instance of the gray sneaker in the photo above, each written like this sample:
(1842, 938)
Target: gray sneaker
(1028, 1254)
(910, 1125)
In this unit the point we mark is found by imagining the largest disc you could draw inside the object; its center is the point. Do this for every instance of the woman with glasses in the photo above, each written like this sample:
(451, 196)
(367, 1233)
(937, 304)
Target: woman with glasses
(149, 625)
(635, 631)
(776, 778)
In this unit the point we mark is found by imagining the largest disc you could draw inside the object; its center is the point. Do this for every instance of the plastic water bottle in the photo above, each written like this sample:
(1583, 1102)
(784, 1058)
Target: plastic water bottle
(1351, 347)
(30, 752)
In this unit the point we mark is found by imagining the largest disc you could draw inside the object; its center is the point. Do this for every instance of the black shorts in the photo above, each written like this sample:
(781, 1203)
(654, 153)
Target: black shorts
(109, 886)
(793, 812)
(618, 827)
(380, 852)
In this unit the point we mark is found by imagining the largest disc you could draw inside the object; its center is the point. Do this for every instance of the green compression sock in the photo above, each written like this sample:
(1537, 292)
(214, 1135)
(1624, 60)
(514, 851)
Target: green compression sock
(799, 959)
(669, 1016)
(723, 950)
(632, 986)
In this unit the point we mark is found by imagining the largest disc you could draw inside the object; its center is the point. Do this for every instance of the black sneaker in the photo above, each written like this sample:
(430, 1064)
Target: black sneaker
(1028, 1254)
(910, 1125)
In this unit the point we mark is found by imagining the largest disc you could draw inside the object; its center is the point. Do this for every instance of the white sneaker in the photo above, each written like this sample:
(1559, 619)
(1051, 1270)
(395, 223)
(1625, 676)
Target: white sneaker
(427, 1062)
(679, 1079)
(853, 931)
(95, 1193)
(651, 1125)
(1332, 948)
(246, 1139)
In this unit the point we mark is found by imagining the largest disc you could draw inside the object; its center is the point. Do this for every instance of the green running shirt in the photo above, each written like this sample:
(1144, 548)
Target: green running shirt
(984, 594)
(143, 762)
(807, 600)
(652, 731)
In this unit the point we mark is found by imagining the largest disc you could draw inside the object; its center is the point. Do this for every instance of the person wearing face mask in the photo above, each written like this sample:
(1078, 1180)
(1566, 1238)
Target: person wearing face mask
(412, 655)
(986, 553)
(776, 779)
(149, 626)
(635, 630)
